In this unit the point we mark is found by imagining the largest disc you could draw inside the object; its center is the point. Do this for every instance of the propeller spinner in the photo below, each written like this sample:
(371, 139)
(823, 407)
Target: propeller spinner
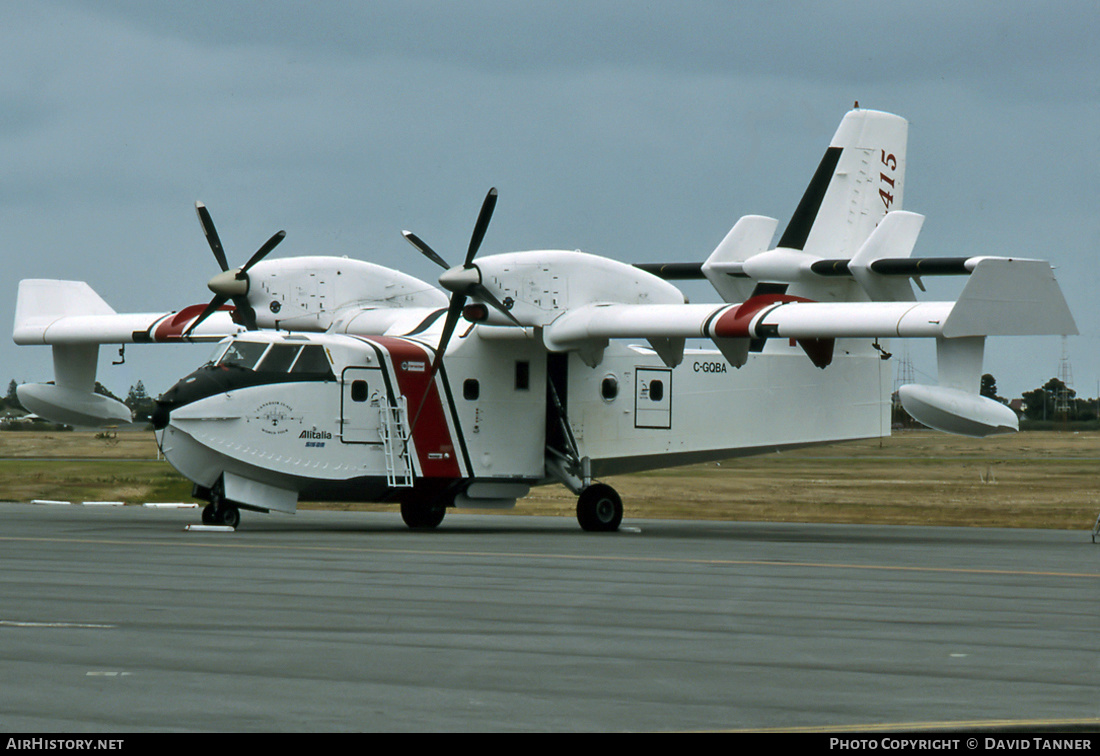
(230, 284)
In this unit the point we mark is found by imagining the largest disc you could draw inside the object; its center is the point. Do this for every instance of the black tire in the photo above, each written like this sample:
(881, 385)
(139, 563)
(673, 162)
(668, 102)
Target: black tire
(209, 516)
(599, 509)
(230, 515)
(419, 516)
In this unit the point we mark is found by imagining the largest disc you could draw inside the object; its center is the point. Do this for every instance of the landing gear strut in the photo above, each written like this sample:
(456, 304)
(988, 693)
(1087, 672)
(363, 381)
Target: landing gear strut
(599, 508)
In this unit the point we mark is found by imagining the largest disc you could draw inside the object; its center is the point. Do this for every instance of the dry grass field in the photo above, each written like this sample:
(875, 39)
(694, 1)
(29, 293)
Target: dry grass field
(1034, 479)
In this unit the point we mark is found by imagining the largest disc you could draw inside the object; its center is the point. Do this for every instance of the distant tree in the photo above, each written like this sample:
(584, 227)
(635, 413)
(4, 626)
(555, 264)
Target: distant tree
(989, 389)
(140, 403)
(1084, 410)
(101, 389)
(1043, 403)
(11, 399)
(137, 394)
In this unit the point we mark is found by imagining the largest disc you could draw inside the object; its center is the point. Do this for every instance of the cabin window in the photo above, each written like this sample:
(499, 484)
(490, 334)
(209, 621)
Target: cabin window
(311, 360)
(609, 388)
(523, 375)
(471, 389)
(279, 358)
(656, 390)
(359, 391)
(243, 354)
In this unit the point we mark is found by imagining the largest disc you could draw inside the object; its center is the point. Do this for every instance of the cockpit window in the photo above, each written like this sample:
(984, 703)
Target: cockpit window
(243, 354)
(216, 355)
(279, 358)
(278, 362)
(311, 360)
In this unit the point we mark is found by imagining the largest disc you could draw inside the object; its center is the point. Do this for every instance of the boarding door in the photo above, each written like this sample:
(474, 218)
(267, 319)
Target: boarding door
(362, 402)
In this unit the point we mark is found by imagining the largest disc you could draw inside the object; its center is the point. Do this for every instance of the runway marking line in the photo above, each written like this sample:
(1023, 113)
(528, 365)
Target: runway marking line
(946, 726)
(575, 557)
(78, 625)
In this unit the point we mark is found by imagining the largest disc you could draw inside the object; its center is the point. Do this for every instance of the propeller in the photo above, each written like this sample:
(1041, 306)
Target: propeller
(230, 284)
(463, 282)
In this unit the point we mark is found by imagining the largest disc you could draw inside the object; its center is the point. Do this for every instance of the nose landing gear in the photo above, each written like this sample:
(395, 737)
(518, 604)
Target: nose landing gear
(223, 513)
(220, 510)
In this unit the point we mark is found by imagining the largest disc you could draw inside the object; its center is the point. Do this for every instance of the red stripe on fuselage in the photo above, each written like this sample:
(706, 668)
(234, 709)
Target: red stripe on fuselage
(435, 447)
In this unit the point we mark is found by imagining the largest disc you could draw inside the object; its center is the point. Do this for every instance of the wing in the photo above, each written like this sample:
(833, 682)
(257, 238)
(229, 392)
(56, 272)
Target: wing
(70, 312)
(75, 321)
(1003, 297)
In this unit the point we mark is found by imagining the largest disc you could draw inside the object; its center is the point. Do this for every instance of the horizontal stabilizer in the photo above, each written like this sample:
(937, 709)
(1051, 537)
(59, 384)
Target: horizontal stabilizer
(749, 237)
(894, 238)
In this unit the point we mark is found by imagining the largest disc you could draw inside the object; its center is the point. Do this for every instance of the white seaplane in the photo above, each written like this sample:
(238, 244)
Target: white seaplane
(336, 379)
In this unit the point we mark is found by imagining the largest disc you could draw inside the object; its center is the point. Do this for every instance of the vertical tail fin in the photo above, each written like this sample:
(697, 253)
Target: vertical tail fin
(860, 179)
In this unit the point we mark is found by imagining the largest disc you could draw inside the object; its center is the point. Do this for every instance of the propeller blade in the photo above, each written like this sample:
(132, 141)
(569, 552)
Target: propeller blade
(463, 287)
(454, 312)
(263, 251)
(482, 225)
(480, 292)
(244, 313)
(211, 235)
(228, 284)
(211, 308)
(424, 249)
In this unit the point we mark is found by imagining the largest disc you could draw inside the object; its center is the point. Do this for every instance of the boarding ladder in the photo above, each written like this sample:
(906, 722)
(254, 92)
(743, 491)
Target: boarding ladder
(394, 430)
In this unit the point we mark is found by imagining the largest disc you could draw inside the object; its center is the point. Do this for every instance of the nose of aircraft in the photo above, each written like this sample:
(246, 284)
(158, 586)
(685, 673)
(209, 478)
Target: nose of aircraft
(202, 383)
(161, 415)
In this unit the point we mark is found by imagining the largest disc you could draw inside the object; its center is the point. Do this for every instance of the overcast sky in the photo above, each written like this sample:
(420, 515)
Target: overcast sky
(636, 130)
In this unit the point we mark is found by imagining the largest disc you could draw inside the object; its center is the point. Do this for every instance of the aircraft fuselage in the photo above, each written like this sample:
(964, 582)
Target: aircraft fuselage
(275, 418)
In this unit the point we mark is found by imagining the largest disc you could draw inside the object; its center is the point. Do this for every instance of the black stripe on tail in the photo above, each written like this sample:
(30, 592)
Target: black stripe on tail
(798, 230)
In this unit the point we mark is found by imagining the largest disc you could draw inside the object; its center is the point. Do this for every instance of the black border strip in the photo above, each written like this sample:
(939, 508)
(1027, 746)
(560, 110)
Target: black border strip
(798, 230)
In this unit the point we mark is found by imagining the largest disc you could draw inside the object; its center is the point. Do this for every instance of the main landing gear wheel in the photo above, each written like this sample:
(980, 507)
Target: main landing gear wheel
(222, 513)
(230, 516)
(599, 508)
(420, 516)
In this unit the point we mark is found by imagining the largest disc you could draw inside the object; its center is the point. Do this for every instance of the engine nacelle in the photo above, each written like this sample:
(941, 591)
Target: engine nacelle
(956, 411)
(306, 293)
(538, 286)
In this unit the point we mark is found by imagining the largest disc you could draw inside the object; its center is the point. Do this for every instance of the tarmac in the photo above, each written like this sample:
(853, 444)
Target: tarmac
(120, 619)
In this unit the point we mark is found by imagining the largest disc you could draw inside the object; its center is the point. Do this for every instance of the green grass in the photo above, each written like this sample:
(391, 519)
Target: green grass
(1042, 479)
(77, 480)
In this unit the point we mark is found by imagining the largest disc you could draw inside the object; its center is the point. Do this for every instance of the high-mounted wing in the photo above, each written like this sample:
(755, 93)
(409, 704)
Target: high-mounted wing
(75, 321)
(70, 312)
(1002, 298)
(842, 268)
